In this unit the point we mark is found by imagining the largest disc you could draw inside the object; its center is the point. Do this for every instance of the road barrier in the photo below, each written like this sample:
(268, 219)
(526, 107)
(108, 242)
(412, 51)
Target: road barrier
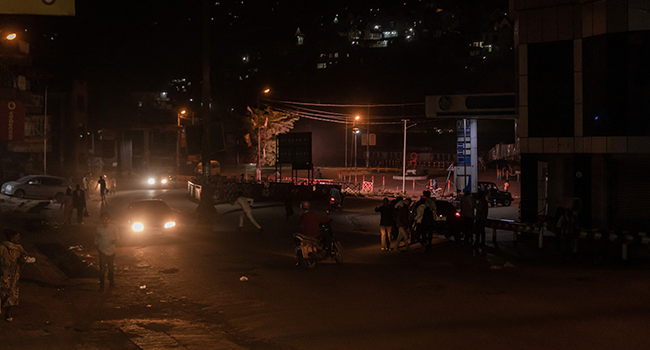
(625, 238)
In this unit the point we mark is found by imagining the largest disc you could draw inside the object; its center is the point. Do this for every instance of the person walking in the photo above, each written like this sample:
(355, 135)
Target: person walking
(106, 238)
(402, 222)
(102, 187)
(86, 183)
(318, 174)
(66, 205)
(506, 186)
(481, 218)
(288, 205)
(113, 186)
(79, 202)
(246, 203)
(428, 213)
(386, 222)
(12, 257)
(467, 216)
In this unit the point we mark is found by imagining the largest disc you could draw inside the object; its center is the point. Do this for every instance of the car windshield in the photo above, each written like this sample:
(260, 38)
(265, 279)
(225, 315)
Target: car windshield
(150, 206)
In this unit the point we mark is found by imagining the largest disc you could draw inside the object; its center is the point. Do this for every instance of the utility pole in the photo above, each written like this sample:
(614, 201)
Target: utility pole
(258, 170)
(45, 135)
(368, 141)
(404, 159)
(206, 209)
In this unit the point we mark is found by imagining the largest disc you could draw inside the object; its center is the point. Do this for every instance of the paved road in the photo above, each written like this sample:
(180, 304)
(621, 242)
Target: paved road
(185, 291)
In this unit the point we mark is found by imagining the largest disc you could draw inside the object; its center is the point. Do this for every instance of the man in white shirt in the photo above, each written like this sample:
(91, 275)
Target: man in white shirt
(105, 241)
(245, 204)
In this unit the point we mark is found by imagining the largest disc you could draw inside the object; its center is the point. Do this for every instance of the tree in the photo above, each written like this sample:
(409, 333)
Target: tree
(269, 123)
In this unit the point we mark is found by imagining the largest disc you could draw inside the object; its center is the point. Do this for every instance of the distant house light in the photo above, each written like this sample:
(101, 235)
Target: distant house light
(390, 34)
(321, 65)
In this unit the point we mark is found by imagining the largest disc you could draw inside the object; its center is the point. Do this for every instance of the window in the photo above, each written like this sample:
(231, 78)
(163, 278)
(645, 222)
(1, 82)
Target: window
(550, 89)
(321, 65)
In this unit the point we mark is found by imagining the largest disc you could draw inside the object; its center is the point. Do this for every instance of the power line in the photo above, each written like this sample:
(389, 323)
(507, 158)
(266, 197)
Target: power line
(350, 105)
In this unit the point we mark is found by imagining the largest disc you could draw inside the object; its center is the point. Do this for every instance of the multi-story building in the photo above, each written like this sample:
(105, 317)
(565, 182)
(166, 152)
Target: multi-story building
(43, 120)
(584, 104)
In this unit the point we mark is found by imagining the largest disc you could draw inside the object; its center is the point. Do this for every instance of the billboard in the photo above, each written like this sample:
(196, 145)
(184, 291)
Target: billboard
(295, 148)
(12, 121)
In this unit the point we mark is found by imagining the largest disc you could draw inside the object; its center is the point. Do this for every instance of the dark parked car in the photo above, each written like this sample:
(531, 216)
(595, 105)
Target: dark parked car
(152, 216)
(495, 196)
(448, 222)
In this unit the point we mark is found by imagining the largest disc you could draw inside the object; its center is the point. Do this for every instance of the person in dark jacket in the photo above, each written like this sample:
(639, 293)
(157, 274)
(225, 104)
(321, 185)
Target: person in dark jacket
(386, 223)
(393, 229)
(402, 221)
(467, 207)
(79, 202)
(288, 205)
(481, 218)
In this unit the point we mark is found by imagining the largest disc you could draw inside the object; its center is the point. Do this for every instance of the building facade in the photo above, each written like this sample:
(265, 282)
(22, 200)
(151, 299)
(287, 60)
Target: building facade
(584, 108)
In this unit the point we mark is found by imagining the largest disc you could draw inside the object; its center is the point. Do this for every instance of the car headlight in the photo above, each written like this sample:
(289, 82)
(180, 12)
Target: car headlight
(137, 227)
(163, 181)
(8, 188)
(151, 181)
(170, 224)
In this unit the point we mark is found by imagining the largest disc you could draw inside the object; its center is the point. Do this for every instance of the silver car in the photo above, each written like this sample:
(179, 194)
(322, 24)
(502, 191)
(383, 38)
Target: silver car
(37, 186)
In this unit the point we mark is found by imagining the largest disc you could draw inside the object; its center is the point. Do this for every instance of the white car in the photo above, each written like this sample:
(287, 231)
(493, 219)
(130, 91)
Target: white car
(37, 186)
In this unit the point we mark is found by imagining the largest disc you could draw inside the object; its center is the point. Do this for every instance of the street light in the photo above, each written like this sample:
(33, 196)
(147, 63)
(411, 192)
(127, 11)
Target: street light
(258, 173)
(178, 140)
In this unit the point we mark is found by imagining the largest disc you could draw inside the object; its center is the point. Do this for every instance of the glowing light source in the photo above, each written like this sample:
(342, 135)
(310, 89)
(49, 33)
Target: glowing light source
(151, 181)
(11, 36)
(170, 224)
(137, 227)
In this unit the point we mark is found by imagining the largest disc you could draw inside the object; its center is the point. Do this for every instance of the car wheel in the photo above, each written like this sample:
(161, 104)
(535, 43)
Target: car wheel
(59, 197)
(19, 194)
(506, 202)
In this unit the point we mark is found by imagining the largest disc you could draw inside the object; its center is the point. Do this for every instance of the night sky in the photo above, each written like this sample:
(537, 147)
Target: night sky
(123, 46)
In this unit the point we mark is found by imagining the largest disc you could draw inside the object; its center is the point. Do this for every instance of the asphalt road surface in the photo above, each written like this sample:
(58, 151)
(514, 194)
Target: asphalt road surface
(217, 288)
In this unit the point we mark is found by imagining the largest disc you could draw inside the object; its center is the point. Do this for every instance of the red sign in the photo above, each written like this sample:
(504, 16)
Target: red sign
(12, 121)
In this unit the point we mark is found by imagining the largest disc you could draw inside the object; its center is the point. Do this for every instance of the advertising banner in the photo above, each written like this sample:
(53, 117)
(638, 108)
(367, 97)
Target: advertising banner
(12, 121)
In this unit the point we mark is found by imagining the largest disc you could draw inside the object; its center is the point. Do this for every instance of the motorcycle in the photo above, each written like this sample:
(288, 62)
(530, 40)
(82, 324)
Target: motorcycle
(310, 250)
(335, 204)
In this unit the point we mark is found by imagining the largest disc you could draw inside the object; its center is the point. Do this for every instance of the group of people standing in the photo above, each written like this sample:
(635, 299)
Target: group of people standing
(76, 199)
(401, 220)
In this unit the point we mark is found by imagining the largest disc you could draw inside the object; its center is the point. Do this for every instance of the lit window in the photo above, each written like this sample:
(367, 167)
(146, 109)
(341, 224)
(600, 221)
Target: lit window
(321, 65)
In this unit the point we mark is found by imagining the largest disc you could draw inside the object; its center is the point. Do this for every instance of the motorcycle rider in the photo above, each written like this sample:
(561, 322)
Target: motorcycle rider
(338, 198)
(310, 222)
